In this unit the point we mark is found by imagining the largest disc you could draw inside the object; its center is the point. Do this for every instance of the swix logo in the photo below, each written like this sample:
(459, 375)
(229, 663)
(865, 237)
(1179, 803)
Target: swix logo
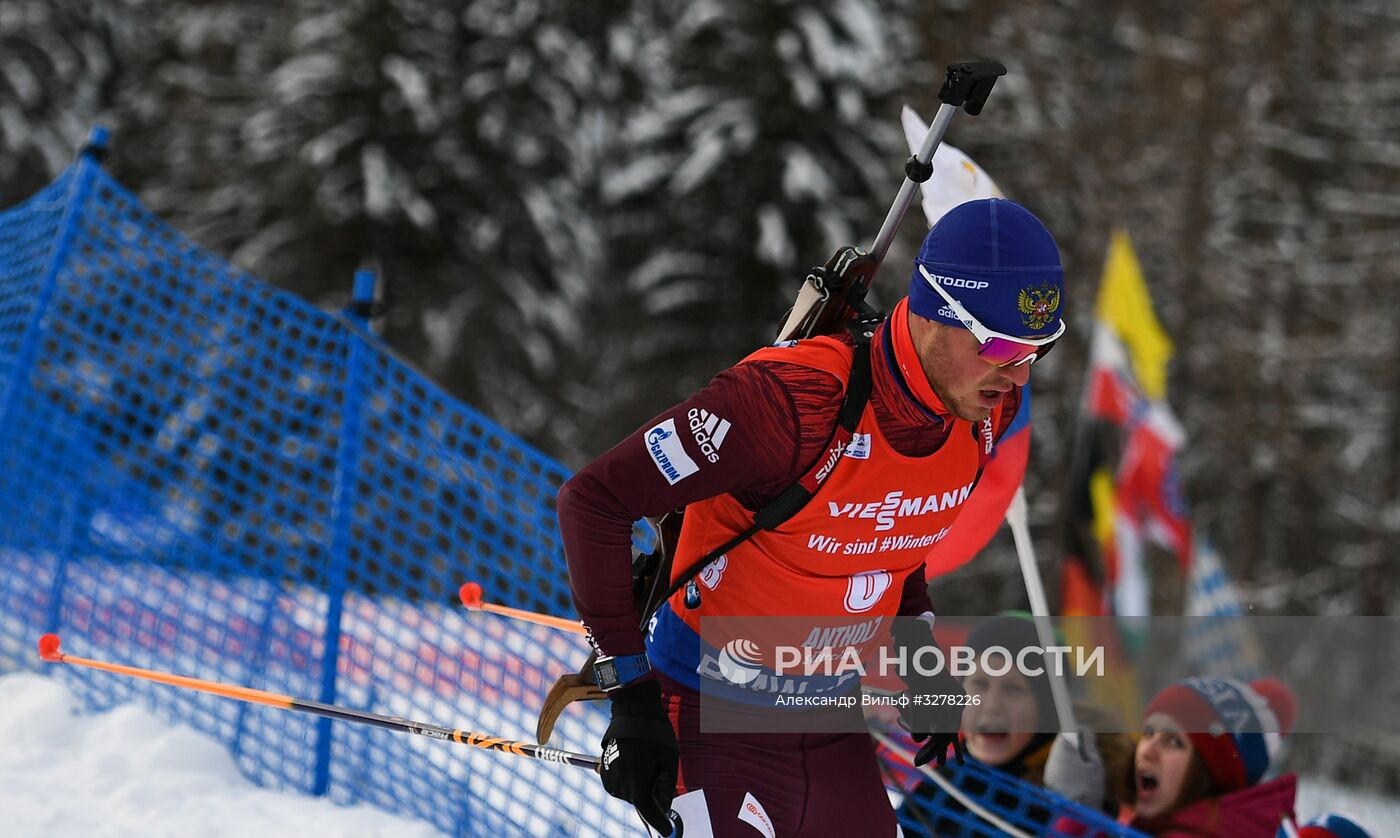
(988, 437)
(553, 755)
(831, 457)
(896, 505)
(709, 431)
(959, 282)
(863, 590)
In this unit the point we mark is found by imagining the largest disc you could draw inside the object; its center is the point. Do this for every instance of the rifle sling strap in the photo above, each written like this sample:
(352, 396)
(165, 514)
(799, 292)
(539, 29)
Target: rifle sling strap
(792, 499)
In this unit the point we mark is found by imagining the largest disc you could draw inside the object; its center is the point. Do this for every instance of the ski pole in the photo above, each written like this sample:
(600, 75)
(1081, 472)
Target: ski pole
(471, 595)
(49, 651)
(1016, 516)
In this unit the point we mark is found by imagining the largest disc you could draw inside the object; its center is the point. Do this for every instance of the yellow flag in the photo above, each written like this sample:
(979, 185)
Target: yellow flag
(1105, 505)
(1125, 306)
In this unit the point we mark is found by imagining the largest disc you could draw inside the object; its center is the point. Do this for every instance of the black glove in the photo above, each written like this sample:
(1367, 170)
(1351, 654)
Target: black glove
(640, 754)
(933, 713)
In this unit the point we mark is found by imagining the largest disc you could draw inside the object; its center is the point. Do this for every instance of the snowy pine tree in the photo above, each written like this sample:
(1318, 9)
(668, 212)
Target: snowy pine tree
(766, 137)
(57, 73)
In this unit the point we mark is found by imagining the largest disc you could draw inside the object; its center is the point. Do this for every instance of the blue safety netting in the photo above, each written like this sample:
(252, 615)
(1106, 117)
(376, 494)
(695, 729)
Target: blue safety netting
(929, 809)
(205, 475)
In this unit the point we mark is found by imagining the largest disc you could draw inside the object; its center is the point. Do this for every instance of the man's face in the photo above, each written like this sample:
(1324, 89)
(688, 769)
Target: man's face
(969, 386)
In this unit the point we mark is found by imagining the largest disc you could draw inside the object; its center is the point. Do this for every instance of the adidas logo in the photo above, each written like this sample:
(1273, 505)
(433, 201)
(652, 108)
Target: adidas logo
(709, 431)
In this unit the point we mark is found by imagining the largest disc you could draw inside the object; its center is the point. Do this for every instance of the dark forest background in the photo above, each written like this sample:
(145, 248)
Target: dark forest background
(584, 209)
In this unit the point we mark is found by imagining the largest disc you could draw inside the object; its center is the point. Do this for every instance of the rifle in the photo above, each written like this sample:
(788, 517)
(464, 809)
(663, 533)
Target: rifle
(834, 293)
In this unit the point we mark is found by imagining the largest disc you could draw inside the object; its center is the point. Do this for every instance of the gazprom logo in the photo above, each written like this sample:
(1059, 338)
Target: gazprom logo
(668, 453)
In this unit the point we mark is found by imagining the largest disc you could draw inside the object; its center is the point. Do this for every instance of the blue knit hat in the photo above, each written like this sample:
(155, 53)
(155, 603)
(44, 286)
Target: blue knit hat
(999, 261)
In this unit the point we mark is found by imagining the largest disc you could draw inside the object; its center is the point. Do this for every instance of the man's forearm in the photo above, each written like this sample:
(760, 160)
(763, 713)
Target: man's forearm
(598, 547)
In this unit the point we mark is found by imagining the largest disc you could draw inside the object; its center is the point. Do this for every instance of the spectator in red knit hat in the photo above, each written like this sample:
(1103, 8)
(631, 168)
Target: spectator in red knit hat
(1197, 771)
(1206, 745)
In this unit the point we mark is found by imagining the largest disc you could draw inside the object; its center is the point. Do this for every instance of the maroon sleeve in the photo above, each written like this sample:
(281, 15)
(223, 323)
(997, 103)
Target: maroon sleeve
(740, 434)
(914, 600)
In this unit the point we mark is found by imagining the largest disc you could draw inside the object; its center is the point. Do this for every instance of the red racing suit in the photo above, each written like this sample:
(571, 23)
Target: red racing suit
(846, 554)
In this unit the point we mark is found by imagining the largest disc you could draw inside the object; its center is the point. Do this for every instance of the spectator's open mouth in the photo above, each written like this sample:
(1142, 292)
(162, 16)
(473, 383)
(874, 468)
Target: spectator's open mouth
(993, 734)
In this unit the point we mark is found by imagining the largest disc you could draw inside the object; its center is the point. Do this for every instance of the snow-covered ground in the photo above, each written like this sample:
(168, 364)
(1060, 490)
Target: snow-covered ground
(126, 773)
(425, 661)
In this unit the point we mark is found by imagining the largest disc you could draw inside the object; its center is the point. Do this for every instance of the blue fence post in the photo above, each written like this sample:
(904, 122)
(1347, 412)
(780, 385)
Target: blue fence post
(346, 469)
(66, 543)
(85, 169)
